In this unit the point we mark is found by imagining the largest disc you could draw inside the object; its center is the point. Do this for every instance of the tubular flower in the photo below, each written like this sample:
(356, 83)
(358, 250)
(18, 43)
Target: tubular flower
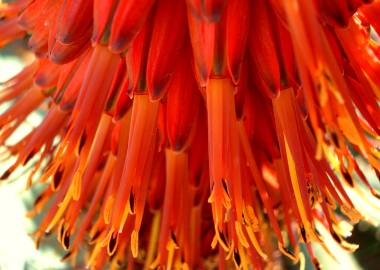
(196, 134)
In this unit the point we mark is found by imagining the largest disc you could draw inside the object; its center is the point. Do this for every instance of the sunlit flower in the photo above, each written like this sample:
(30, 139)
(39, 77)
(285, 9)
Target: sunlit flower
(194, 134)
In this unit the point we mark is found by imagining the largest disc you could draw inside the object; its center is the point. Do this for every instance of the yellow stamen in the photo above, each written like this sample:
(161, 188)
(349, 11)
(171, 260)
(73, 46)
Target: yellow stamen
(76, 185)
(135, 243)
(240, 235)
(94, 254)
(171, 247)
(153, 239)
(302, 261)
(255, 243)
(297, 191)
(61, 210)
(124, 217)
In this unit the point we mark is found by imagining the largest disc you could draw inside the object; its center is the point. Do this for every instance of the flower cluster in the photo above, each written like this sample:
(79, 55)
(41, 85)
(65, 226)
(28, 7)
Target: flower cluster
(190, 134)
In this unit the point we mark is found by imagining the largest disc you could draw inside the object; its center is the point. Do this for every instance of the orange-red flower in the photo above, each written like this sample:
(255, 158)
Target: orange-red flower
(194, 134)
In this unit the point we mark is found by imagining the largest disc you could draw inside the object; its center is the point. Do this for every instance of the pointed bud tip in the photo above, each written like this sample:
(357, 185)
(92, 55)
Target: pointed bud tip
(6, 174)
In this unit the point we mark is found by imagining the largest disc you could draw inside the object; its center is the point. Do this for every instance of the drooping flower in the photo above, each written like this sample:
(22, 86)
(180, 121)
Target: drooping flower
(194, 134)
